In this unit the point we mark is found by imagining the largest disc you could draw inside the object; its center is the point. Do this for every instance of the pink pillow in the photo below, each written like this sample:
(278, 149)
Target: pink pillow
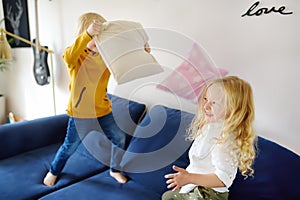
(190, 77)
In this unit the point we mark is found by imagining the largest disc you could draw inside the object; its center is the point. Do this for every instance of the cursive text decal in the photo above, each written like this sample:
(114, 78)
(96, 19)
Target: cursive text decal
(253, 11)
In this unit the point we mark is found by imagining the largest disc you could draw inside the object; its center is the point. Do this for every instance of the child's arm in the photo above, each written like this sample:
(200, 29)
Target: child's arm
(72, 53)
(182, 177)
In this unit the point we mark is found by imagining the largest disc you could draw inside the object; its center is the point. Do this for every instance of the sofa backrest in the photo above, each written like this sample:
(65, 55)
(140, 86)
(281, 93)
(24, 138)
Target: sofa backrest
(276, 175)
(24, 136)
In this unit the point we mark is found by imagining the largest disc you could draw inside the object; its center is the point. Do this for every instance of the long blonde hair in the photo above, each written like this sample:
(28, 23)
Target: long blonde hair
(86, 19)
(238, 121)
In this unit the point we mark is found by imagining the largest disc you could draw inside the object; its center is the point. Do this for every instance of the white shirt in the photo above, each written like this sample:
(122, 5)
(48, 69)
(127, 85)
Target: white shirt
(206, 156)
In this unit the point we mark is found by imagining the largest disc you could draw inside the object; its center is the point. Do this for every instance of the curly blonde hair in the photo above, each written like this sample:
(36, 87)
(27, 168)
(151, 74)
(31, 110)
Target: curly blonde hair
(86, 19)
(238, 121)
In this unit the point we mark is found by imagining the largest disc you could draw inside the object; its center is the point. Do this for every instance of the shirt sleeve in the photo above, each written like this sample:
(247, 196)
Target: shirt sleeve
(73, 52)
(224, 160)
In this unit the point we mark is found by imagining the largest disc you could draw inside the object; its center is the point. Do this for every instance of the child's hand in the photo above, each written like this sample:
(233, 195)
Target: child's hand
(147, 48)
(178, 179)
(94, 28)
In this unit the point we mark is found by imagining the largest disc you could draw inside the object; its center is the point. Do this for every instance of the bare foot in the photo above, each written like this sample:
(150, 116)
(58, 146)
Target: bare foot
(118, 176)
(50, 179)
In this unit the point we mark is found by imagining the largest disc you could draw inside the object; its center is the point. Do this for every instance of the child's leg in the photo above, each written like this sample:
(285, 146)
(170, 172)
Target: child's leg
(72, 140)
(170, 195)
(118, 138)
(197, 193)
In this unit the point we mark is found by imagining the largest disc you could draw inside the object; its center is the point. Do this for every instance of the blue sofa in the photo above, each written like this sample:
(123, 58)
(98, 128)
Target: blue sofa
(156, 141)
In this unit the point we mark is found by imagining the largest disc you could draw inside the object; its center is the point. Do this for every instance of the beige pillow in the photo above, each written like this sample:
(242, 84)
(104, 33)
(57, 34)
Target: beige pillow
(121, 45)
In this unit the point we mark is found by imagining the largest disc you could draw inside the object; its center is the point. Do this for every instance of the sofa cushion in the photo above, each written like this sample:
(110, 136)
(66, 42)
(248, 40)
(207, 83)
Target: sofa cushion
(22, 175)
(103, 186)
(275, 176)
(23, 170)
(158, 143)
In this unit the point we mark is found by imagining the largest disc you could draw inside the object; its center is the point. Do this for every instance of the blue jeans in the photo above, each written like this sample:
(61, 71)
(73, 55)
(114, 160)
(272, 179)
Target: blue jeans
(78, 129)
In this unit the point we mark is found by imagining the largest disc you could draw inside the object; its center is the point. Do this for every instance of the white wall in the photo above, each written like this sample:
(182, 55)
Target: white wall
(264, 50)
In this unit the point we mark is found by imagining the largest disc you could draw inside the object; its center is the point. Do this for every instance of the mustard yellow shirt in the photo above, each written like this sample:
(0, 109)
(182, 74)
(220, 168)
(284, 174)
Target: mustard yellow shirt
(89, 78)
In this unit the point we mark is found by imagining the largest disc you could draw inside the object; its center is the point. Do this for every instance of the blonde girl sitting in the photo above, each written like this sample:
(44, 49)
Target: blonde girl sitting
(224, 141)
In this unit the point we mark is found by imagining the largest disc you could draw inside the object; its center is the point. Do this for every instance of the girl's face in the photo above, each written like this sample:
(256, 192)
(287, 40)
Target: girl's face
(214, 105)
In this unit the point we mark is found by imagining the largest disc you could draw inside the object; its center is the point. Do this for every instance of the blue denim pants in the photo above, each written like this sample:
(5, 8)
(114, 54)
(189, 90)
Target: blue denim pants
(78, 129)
